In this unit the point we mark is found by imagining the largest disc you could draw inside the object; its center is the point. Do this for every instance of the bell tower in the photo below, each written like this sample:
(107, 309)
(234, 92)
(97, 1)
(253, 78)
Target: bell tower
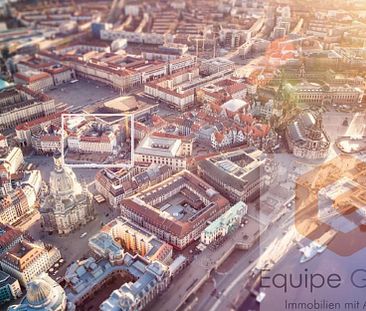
(57, 159)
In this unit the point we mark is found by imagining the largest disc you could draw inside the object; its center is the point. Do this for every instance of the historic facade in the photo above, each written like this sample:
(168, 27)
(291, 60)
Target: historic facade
(43, 293)
(68, 204)
(238, 174)
(26, 260)
(307, 138)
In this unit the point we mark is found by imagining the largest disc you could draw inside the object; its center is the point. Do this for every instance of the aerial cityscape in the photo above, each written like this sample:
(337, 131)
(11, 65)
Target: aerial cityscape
(193, 155)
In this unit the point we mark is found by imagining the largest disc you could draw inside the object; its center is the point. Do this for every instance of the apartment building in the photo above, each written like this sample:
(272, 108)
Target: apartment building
(17, 202)
(165, 52)
(34, 80)
(177, 209)
(61, 74)
(170, 89)
(236, 174)
(136, 240)
(118, 77)
(162, 148)
(316, 94)
(13, 206)
(224, 224)
(135, 37)
(27, 260)
(46, 143)
(13, 160)
(116, 184)
(3, 141)
(9, 237)
(186, 61)
(103, 144)
(27, 130)
(22, 104)
(9, 288)
(216, 65)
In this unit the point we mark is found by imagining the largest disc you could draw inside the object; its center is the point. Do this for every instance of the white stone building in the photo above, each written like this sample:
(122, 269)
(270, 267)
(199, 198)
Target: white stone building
(34, 80)
(226, 223)
(22, 104)
(44, 293)
(316, 94)
(13, 160)
(68, 205)
(307, 138)
(27, 260)
(166, 149)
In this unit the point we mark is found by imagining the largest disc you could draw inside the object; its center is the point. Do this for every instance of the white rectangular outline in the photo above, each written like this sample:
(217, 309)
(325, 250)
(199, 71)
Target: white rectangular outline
(96, 165)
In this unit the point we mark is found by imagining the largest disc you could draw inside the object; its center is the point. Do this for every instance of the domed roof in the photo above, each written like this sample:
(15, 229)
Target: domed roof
(64, 183)
(43, 294)
(38, 292)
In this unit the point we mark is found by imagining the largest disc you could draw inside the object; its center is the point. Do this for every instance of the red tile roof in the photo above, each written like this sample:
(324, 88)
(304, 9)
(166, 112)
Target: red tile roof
(247, 118)
(56, 70)
(215, 108)
(32, 78)
(219, 137)
(178, 227)
(56, 138)
(28, 125)
(8, 235)
(100, 139)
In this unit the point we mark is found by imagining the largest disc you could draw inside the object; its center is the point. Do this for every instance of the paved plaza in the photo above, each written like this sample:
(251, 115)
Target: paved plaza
(82, 93)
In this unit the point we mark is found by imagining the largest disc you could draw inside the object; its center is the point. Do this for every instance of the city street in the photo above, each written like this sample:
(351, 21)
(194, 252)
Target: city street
(203, 263)
(272, 247)
(225, 289)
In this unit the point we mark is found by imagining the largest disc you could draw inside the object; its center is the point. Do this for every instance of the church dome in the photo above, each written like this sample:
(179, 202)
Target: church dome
(38, 292)
(63, 182)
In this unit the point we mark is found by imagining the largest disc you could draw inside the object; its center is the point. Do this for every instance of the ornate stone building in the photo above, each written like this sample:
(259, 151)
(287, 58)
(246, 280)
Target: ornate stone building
(307, 138)
(68, 204)
(43, 293)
